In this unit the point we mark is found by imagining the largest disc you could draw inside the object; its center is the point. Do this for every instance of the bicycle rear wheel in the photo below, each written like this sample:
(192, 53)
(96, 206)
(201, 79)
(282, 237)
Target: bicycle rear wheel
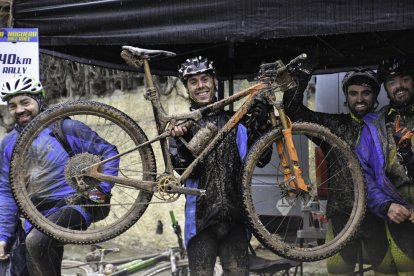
(295, 226)
(44, 176)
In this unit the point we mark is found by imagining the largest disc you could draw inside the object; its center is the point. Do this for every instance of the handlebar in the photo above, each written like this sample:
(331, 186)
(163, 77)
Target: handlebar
(296, 60)
(277, 68)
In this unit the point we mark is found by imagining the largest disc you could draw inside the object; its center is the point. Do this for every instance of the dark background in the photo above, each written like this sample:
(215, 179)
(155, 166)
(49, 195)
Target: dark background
(239, 34)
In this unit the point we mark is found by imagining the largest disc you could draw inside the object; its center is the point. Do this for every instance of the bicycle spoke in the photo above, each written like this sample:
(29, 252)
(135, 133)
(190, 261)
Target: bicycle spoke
(48, 177)
(294, 223)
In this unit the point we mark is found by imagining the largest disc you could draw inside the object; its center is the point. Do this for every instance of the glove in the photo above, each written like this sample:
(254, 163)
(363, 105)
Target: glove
(96, 196)
(302, 71)
(402, 138)
(260, 110)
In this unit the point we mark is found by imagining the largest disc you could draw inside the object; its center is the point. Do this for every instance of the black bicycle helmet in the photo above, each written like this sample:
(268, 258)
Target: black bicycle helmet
(361, 76)
(389, 68)
(195, 66)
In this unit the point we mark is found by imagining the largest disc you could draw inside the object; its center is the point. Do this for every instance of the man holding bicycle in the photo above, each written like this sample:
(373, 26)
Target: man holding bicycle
(25, 99)
(361, 88)
(214, 223)
(386, 154)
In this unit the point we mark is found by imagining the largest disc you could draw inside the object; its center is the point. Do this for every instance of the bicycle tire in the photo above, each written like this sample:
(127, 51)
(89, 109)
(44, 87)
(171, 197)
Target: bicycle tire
(75, 268)
(279, 224)
(182, 269)
(127, 204)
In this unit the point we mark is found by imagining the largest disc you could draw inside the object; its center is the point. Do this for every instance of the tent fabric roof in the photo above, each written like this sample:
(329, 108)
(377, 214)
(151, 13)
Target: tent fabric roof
(237, 34)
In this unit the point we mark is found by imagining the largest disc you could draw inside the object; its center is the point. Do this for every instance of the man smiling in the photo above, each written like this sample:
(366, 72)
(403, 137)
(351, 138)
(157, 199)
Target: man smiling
(23, 109)
(214, 223)
(386, 155)
(25, 99)
(361, 88)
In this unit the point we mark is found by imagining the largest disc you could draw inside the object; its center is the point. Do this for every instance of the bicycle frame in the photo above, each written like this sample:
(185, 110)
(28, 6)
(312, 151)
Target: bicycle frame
(165, 123)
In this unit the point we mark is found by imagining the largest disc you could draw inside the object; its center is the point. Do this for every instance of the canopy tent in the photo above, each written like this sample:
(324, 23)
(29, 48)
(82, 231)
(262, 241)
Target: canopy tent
(237, 34)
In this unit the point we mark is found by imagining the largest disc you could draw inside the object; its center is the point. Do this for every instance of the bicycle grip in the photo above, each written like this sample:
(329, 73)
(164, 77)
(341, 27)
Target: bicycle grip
(291, 66)
(297, 59)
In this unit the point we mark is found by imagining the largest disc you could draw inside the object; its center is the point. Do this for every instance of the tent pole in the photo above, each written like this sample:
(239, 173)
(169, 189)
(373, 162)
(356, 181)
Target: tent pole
(231, 71)
(220, 88)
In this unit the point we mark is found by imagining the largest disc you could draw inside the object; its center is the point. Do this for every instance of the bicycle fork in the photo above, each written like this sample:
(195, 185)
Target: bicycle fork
(292, 172)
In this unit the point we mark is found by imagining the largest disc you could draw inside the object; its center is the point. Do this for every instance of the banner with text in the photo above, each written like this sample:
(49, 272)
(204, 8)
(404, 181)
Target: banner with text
(19, 52)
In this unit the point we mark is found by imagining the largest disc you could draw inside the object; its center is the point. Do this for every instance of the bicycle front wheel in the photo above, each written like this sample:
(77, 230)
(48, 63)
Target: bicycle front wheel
(45, 177)
(295, 225)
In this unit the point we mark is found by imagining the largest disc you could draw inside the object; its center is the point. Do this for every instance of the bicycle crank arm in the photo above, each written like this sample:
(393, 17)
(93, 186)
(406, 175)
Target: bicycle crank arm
(185, 190)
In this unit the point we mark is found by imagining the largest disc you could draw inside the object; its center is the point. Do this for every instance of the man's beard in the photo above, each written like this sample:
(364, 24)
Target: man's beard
(361, 113)
(401, 102)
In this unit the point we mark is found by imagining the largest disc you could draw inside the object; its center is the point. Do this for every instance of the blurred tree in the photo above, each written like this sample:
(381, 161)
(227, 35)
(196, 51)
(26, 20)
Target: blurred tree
(5, 19)
(67, 80)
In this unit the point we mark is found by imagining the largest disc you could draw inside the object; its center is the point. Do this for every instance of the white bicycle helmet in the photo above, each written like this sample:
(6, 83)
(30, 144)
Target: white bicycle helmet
(20, 84)
(195, 66)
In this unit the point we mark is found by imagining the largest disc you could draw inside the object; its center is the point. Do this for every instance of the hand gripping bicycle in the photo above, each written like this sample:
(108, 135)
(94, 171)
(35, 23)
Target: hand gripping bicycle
(279, 200)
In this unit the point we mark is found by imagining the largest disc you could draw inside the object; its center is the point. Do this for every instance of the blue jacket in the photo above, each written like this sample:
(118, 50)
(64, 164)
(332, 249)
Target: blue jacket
(372, 154)
(47, 173)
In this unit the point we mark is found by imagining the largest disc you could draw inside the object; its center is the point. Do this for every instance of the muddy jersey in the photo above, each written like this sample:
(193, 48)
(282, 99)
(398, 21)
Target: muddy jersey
(345, 126)
(51, 185)
(339, 205)
(386, 177)
(396, 170)
(219, 174)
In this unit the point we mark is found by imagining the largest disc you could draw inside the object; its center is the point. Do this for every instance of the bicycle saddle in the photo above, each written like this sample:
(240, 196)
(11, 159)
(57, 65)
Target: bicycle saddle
(140, 52)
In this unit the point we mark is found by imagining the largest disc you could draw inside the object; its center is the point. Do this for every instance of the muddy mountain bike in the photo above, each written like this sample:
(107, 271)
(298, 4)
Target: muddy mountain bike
(279, 200)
